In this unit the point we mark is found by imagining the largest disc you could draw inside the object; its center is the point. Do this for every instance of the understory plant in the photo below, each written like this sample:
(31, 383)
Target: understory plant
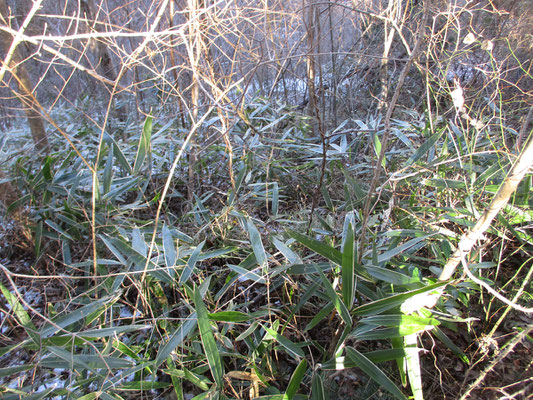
(230, 295)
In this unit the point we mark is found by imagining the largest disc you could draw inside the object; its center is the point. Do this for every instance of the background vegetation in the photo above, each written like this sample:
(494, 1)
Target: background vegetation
(265, 199)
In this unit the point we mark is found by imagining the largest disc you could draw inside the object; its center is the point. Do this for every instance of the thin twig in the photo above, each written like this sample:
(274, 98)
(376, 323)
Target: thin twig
(508, 348)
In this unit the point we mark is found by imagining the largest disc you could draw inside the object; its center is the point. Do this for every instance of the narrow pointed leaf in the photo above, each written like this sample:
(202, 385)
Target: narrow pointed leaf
(382, 305)
(291, 348)
(413, 366)
(144, 145)
(317, 388)
(208, 340)
(324, 250)
(257, 244)
(374, 372)
(335, 299)
(179, 335)
(191, 264)
(348, 268)
(168, 247)
(230, 316)
(296, 380)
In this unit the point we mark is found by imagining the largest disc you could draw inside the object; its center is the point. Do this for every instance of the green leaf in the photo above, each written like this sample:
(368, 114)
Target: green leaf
(121, 158)
(377, 356)
(38, 238)
(198, 380)
(144, 145)
(91, 396)
(291, 348)
(64, 321)
(317, 387)
(398, 343)
(377, 148)
(58, 229)
(374, 372)
(275, 199)
(208, 340)
(323, 313)
(290, 255)
(108, 171)
(143, 385)
(245, 275)
(327, 198)
(113, 331)
(240, 178)
(230, 316)
(191, 264)
(257, 245)
(21, 314)
(382, 305)
(85, 361)
(13, 370)
(168, 248)
(296, 380)
(424, 148)
(318, 247)
(389, 276)
(386, 256)
(337, 302)
(413, 366)
(348, 268)
(450, 344)
(179, 335)
(405, 323)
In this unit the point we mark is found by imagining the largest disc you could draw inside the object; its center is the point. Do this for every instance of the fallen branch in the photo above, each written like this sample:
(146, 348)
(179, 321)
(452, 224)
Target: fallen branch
(523, 163)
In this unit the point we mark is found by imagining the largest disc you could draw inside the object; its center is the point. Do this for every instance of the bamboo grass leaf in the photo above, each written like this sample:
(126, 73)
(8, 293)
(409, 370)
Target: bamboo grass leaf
(398, 343)
(275, 199)
(324, 250)
(348, 268)
(21, 314)
(177, 338)
(377, 356)
(168, 248)
(230, 316)
(291, 348)
(108, 171)
(144, 145)
(323, 313)
(337, 302)
(374, 372)
(257, 245)
(290, 255)
(64, 321)
(424, 148)
(296, 380)
(317, 387)
(208, 340)
(191, 264)
(413, 366)
(382, 305)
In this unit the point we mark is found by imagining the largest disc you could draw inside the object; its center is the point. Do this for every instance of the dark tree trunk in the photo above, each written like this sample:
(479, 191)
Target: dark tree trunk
(25, 86)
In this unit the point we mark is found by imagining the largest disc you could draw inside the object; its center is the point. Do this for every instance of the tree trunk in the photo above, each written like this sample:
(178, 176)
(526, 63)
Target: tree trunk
(25, 87)
(105, 63)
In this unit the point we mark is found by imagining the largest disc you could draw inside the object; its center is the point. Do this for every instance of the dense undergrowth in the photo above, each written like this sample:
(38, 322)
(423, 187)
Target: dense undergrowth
(232, 294)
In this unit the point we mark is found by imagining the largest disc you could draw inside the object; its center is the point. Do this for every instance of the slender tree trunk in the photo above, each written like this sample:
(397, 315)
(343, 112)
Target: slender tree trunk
(195, 53)
(25, 86)
(312, 107)
(105, 62)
